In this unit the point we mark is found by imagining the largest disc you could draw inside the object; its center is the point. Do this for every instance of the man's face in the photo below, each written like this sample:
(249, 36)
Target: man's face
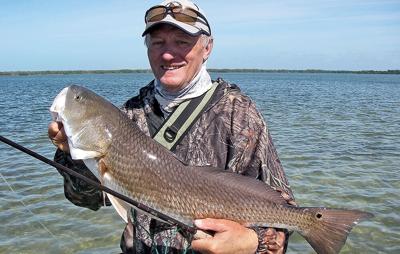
(175, 57)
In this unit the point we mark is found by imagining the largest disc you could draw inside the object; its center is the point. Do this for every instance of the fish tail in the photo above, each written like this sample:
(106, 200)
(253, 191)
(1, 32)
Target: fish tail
(328, 232)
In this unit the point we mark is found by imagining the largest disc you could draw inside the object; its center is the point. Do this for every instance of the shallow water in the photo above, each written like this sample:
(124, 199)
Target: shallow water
(337, 136)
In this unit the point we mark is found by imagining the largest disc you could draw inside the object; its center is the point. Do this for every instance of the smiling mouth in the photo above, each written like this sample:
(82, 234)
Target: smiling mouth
(170, 68)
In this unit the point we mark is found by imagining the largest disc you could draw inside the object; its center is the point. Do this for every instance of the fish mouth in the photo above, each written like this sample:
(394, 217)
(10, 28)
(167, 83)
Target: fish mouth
(57, 110)
(58, 105)
(58, 114)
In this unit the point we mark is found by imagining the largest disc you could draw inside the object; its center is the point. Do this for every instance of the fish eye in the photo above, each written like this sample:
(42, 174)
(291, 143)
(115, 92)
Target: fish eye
(318, 215)
(78, 97)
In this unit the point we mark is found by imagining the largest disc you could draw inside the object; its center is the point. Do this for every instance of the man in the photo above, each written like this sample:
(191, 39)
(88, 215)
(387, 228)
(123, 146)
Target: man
(229, 134)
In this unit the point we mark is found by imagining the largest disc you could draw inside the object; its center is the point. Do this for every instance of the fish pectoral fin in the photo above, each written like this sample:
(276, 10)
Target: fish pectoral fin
(102, 168)
(92, 165)
(120, 206)
(99, 168)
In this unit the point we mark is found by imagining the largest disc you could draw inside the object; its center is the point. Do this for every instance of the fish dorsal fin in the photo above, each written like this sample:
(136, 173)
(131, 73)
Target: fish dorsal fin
(245, 184)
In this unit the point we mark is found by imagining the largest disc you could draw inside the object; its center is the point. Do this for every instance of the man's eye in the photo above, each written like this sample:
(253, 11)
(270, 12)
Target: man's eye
(158, 43)
(183, 43)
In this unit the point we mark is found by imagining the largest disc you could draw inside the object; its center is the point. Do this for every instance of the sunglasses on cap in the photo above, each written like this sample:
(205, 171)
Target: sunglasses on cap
(186, 15)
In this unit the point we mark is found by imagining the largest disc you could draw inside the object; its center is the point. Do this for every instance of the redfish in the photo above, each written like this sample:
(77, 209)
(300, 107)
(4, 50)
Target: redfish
(127, 161)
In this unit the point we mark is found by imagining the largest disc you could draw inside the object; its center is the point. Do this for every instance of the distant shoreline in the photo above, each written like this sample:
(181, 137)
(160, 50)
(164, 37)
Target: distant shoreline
(28, 73)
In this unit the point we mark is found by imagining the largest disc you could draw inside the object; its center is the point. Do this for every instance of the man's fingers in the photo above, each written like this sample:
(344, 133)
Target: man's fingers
(54, 129)
(286, 196)
(229, 237)
(205, 245)
(275, 240)
(57, 136)
(200, 234)
(209, 224)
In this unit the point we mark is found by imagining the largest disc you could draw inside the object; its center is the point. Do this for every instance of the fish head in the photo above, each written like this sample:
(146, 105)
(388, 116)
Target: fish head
(85, 116)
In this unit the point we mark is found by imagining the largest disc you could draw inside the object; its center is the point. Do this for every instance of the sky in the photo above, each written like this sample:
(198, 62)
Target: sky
(40, 35)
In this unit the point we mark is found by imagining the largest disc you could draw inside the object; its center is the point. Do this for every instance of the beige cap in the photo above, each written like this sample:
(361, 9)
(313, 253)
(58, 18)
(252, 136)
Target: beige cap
(201, 26)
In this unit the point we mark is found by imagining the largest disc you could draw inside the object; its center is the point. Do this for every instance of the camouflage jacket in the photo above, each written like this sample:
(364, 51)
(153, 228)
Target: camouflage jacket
(230, 134)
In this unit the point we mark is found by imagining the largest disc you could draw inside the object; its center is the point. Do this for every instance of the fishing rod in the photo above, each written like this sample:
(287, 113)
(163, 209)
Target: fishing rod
(97, 185)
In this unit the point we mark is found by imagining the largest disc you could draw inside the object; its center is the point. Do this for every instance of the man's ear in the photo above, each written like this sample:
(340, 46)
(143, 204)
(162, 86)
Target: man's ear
(208, 49)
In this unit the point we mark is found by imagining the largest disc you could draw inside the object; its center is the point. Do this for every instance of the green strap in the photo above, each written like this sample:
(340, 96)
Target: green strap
(173, 129)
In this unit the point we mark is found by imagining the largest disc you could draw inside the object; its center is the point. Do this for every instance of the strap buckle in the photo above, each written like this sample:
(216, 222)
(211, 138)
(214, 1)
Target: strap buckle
(170, 133)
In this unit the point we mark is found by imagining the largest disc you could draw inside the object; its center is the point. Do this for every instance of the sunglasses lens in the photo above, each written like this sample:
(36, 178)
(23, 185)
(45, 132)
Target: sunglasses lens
(185, 15)
(155, 14)
(185, 18)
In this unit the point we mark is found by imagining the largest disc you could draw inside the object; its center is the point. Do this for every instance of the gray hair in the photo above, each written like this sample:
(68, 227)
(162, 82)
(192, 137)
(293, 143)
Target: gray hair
(205, 40)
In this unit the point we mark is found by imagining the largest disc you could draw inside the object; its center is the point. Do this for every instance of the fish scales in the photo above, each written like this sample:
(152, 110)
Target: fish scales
(165, 183)
(133, 164)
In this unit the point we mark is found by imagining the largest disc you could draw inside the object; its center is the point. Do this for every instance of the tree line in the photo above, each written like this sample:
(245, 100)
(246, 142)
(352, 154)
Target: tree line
(27, 73)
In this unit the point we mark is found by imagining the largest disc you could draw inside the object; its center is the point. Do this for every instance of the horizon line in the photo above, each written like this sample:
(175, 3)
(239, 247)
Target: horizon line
(213, 70)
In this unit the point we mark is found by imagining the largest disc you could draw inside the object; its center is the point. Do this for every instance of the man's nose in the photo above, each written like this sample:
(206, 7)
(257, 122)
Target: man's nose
(169, 52)
(168, 55)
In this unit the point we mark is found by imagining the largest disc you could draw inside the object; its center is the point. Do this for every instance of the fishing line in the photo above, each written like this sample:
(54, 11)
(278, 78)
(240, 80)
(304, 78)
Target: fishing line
(27, 208)
(188, 228)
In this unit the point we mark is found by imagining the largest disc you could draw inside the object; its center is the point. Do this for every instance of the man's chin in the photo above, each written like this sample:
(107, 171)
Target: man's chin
(172, 84)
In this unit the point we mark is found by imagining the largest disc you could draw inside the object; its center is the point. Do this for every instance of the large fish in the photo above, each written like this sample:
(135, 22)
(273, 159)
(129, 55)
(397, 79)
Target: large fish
(131, 163)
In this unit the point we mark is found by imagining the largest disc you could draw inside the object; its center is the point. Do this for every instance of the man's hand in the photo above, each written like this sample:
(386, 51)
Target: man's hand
(275, 241)
(232, 237)
(57, 136)
(229, 237)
